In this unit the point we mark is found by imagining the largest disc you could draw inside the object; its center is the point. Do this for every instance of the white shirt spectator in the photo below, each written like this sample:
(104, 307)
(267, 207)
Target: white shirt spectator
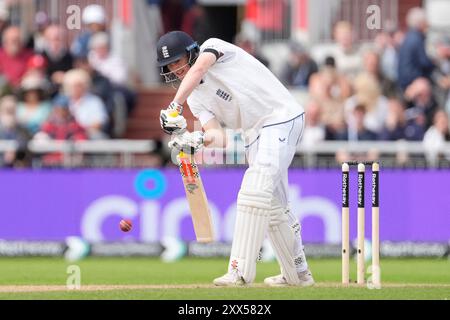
(89, 111)
(106, 62)
(111, 67)
(347, 62)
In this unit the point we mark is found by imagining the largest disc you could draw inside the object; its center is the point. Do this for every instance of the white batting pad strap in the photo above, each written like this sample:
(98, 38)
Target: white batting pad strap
(282, 238)
(257, 189)
(250, 229)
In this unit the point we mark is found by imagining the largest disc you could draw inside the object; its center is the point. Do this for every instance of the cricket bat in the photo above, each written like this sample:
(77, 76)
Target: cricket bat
(196, 196)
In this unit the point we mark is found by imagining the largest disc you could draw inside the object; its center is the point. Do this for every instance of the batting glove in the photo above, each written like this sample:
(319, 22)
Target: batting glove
(189, 142)
(175, 106)
(172, 122)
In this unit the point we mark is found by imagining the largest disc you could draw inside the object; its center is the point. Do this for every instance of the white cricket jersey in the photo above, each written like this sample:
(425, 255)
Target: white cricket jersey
(241, 92)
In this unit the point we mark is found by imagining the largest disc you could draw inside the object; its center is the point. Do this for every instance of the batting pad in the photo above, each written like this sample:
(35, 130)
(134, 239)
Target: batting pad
(252, 220)
(299, 254)
(283, 239)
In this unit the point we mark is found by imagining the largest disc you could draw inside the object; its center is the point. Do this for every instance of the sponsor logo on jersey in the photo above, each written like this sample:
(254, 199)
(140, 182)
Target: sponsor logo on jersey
(224, 95)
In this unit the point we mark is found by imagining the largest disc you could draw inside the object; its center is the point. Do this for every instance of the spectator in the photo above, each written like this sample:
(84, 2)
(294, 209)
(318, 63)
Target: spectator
(415, 124)
(413, 61)
(420, 100)
(88, 109)
(356, 129)
(41, 22)
(368, 93)
(347, 55)
(105, 62)
(33, 109)
(115, 99)
(437, 135)
(441, 75)
(61, 125)
(11, 130)
(59, 59)
(37, 68)
(94, 17)
(113, 68)
(371, 65)
(249, 45)
(387, 43)
(299, 68)
(13, 56)
(395, 123)
(314, 129)
(330, 88)
(100, 85)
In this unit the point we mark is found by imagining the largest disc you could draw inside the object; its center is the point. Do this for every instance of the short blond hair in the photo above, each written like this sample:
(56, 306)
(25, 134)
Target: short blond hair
(342, 26)
(416, 17)
(367, 90)
(76, 76)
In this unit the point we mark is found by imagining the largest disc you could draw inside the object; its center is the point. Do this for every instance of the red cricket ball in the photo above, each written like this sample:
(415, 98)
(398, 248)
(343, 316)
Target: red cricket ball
(125, 225)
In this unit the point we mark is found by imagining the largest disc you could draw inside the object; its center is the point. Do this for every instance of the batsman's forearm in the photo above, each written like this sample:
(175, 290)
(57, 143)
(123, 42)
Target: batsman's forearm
(190, 81)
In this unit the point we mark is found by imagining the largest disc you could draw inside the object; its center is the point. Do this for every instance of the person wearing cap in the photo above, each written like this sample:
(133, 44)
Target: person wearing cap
(94, 17)
(37, 68)
(226, 87)
(300, 66)
(33, 109)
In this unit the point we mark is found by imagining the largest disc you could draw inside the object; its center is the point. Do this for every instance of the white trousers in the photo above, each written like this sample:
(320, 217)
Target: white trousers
(270, 155)
(274, 149)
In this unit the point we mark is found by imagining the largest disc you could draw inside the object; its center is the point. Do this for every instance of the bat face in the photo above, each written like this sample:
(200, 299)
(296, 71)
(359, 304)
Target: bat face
(196, 196)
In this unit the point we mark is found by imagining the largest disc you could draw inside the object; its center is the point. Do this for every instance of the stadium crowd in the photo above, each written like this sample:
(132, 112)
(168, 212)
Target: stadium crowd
(389, 90)
(51, 89)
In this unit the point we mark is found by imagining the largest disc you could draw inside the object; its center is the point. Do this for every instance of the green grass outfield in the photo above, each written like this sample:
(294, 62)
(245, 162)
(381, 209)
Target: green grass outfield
(144, 278)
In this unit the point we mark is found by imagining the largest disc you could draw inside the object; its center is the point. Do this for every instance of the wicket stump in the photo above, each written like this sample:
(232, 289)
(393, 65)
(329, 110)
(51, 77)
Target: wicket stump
(360, 257)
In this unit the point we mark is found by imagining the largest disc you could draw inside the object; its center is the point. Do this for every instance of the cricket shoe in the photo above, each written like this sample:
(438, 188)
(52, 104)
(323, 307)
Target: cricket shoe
(230, 279)
(305, 277)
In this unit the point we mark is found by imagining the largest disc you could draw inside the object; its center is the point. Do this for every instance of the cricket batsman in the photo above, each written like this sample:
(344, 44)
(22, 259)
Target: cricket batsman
(227, 87)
